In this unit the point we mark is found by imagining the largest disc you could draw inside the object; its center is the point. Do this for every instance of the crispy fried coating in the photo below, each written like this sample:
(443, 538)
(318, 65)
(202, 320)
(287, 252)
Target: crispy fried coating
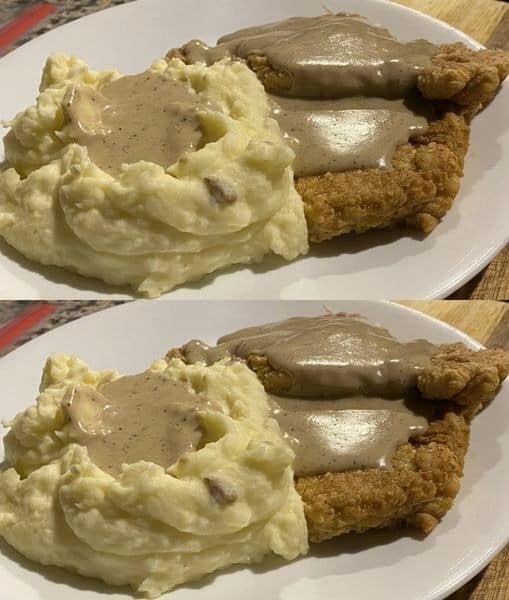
(175, 353)
(467, 378)
(425, 178)
(417, 491)
(466, 78)
(426, 472)
(417, 191)
(176, 53)
(426, 173)
(425, 476)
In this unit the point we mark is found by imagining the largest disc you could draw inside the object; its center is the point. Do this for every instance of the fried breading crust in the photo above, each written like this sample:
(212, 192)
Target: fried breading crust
(459, 375)
(425, 476)
(425, 178)
(417, 191)
(417, 491)
(426, 173)
(467, 78)
(467, 378)
(426, 472)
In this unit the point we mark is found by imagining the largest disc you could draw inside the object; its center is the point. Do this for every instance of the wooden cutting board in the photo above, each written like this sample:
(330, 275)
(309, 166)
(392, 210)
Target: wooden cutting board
(477, 18)
(487, 21)
(487, 322)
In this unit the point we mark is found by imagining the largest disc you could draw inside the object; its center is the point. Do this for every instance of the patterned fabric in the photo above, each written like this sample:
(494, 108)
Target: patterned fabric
(65, 311)
(67, 10)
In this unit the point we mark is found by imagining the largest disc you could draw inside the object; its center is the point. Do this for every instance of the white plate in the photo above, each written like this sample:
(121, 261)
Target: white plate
(375, 265)
(381, 564)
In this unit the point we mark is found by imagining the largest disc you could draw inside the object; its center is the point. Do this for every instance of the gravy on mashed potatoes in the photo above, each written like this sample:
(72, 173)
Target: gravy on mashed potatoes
(112, 121)
(85, 192)
(137, 417)
(224, 494)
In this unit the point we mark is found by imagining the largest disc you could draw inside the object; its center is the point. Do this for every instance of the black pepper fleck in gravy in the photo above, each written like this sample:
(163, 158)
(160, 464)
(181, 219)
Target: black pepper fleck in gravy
(341, 88)
(148, 116)
(138, 417)
(351, 399)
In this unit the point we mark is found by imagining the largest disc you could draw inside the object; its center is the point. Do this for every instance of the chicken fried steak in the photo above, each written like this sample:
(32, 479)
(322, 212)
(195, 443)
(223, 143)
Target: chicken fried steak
(380, 128)
(380, 428)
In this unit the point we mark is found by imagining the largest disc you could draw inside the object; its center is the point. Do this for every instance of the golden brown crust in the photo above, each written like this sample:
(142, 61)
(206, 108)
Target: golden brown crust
(425, 476)
(467, 378)
(175, 353)
(417, 491)
(425, 178)
(466, 78)
(175, 53)
(275, 381)
(426, 472)
(417, 191)
(273, 81)
(459, 375)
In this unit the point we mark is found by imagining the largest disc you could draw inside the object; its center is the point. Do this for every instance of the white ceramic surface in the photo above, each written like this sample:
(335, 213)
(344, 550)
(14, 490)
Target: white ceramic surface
(382, 564)
(375, 265)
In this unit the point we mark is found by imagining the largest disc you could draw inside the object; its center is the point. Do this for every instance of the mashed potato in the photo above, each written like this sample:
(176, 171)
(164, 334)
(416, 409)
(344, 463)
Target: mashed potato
(151, 226)
(151, 527)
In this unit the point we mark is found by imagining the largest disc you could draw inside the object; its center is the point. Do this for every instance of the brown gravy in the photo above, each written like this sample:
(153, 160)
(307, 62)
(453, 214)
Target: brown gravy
(329, 56)
(348, 133)
(345, 82)
(147, 116)
(327, 356)
(139, 417)
(351, 398)
(346, 433)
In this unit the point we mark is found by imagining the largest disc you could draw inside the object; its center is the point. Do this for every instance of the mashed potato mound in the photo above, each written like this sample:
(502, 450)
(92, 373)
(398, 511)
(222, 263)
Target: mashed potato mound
(150, 527)
(152, 227)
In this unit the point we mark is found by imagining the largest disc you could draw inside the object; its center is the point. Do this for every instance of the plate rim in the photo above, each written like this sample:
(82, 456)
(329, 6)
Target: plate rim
(119, 7)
